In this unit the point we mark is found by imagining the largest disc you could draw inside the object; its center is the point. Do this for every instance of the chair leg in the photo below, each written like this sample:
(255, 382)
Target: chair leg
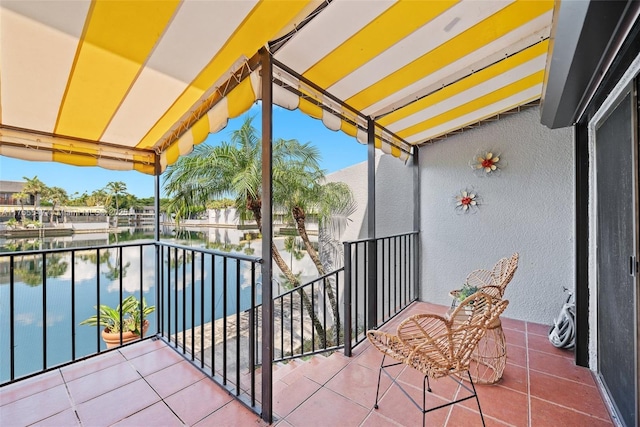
(379, 375)
(426, 386)
(477, 400)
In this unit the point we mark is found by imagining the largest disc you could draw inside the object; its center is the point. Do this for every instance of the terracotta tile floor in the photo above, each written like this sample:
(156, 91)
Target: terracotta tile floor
(149, 384)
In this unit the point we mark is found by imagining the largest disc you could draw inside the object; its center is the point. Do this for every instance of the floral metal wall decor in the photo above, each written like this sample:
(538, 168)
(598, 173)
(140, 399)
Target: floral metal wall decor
(467, 201)
(486, 163)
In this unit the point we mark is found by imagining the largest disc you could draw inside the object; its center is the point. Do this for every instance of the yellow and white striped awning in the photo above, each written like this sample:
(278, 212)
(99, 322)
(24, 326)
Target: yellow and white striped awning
(135, 84)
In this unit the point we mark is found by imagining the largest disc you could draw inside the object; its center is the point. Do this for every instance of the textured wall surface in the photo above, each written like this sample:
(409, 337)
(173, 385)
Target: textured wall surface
(528, 209)
(356, 178)
(395, 196)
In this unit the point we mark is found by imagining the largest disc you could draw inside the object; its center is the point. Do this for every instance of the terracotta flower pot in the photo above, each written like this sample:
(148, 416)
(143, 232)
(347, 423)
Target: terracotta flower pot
(113, 339)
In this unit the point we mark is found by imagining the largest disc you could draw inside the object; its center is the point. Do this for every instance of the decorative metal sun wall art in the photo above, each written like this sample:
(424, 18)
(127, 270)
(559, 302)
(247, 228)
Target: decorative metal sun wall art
(487, 163)
(467, 201)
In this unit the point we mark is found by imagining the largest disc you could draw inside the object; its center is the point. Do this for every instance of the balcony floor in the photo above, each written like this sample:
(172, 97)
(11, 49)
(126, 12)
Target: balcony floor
(150, 384)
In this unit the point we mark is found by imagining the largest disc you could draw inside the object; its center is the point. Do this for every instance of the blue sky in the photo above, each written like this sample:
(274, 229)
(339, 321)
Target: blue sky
(337, 149)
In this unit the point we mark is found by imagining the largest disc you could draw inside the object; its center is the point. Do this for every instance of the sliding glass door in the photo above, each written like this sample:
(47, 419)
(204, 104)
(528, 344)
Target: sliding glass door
(617, 241)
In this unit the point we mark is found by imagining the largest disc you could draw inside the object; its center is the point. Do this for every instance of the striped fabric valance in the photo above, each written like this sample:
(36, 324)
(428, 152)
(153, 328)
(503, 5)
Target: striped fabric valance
(135, 84)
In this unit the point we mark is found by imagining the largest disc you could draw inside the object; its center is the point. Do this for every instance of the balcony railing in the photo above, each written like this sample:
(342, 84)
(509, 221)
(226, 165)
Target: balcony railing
(206, 305)
(307, 318)
(50, 292)
(382, 274)
(208, 311)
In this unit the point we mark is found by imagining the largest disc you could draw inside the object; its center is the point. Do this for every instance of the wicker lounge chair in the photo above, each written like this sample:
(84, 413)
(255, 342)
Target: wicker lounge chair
(439, 347)
(490, 356)
(503, 272)
(498, 278)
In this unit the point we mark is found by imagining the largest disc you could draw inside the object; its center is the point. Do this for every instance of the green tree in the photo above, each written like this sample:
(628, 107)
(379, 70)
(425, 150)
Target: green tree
(113, 270)
(234, 170)
(336, 205)
(97, 198)
(304, 191)
(116, 188)
(77, 199)
(57, 196)
(21, 197)
(34, 187)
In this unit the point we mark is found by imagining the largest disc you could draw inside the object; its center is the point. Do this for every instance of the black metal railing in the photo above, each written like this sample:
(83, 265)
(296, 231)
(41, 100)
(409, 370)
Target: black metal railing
(381, 278)
(206, 305)
(208, 309)
(307, 318)
(381, 274)
(45, 295)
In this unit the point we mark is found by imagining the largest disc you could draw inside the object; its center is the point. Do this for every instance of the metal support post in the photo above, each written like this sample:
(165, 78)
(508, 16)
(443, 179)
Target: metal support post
(417, 259)
(372, 252)
(267, 238)
(346, 317)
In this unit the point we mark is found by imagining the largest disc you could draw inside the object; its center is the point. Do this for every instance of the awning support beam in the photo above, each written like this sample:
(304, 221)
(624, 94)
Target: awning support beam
(372, 265)
(343, 104)
(267, 238)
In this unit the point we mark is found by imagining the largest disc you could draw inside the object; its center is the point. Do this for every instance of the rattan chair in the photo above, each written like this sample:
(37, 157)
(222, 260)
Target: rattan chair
(503, 272)
(490, 356)
(499, 277)
(438, 346)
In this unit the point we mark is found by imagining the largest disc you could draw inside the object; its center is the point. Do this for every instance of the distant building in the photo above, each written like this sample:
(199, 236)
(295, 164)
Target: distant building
(10, 206)
(8, 189)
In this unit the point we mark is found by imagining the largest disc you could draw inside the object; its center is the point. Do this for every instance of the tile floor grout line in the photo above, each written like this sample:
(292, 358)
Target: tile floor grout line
(284, 417)
(388, 390)
(92, 358)
(569, 408)
(563, 378)
(389, 420)
(455, 397)
(71, 399)
(128, 361)
(72, 404)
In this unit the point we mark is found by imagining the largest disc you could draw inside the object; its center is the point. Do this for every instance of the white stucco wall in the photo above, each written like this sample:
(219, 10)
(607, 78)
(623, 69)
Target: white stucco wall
(356, 178)
(528, 209)
(395, 196)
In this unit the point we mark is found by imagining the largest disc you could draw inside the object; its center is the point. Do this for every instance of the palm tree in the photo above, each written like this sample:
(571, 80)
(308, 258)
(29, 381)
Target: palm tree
(21, 197)
(34, 187)
(335, 205)
(96, 198)
(115, 188)
(304, 191)
(57, 196)
(234, 170)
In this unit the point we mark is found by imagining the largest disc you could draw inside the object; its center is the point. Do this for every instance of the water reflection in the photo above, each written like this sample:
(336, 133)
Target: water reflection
(102, 274)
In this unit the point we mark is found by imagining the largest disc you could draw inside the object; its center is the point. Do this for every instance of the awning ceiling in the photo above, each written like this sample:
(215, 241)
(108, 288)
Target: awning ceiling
(135, 84)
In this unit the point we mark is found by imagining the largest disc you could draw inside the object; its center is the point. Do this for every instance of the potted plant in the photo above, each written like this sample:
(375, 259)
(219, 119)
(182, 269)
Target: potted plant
(129, 312)
(466, 291)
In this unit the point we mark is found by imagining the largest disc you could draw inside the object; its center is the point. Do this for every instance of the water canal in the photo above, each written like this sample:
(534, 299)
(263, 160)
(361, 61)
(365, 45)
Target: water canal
(62, 304)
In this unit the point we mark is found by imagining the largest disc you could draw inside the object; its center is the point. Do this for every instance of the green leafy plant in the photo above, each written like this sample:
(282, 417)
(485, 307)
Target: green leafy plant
(466, 291)
(129, 310)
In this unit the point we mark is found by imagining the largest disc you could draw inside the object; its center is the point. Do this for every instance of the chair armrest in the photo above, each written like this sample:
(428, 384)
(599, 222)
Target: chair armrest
(389, 345)
(422, 327)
